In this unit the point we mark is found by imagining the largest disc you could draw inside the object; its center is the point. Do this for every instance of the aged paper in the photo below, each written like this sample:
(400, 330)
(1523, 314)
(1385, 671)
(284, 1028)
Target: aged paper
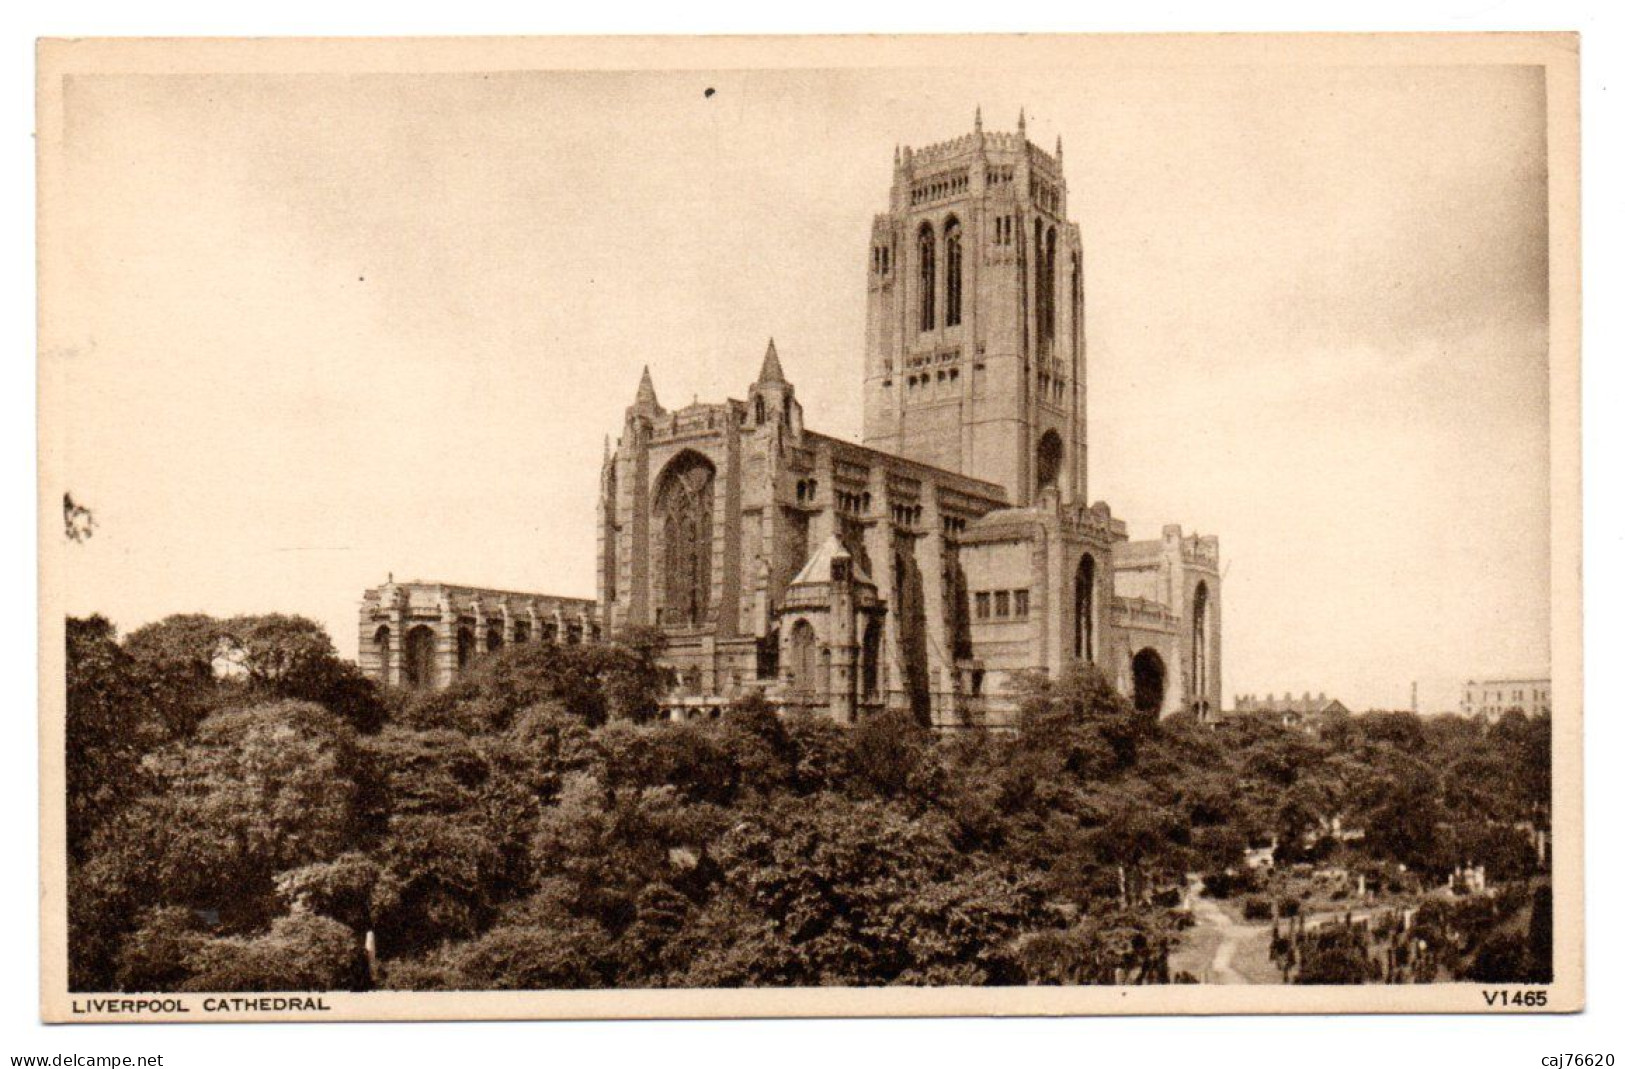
(661, 527)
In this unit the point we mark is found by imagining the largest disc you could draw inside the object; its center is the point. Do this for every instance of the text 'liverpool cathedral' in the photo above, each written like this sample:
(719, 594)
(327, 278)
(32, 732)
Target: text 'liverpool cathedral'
(954, 549)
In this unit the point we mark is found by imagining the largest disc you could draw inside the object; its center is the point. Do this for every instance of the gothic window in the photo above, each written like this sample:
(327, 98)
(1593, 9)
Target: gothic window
(521, 631)
(951, 243)
(803, 655)
(611, 538)
(420, 657)
(1083, 610)
(1077, 295)
(873, 629)
(465, 647)
(1044, 286)
(928, 278)
(1049, 460)
(493, 636)
(683, 511)
(1199, 652)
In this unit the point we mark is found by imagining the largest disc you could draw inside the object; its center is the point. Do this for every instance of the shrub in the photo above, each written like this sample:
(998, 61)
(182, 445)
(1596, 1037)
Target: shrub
(1257, 908)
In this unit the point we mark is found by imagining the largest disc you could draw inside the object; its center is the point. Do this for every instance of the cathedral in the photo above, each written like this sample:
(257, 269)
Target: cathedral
(929, 567)
(955, 548)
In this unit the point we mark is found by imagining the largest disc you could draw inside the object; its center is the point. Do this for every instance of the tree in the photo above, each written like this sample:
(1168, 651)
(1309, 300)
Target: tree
(255, 792)
(300, 953)
(205, 664)
(112, 722)
(1080, 725)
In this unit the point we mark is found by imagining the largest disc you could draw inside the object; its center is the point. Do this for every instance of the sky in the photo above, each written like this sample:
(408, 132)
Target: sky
(314, 329)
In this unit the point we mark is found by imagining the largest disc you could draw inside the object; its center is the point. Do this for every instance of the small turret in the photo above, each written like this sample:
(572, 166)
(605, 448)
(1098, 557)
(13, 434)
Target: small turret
(772, 399)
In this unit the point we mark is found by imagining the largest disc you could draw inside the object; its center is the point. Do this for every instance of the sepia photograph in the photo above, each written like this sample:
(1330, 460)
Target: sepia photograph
(730, 527)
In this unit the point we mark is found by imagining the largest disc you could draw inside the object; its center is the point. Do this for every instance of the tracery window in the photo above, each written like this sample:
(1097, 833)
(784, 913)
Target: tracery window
(951, 239)
(683, 511)
(928, 278)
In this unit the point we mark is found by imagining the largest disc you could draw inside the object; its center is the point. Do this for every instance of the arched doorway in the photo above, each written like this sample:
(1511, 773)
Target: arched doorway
(1048, 467)
(380, 650)
(493, 636)
(1150, 681)
(465, 647)
(420, 649)
(1083, 611)
(1199, 654)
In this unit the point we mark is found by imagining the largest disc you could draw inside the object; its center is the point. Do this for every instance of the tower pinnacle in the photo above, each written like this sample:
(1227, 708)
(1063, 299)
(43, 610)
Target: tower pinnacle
(771, 372)
(978, 118)
(1021, 123)
(646, 391)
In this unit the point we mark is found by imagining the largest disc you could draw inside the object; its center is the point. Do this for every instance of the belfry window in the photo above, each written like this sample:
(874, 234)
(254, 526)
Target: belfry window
(928, 278)
(1044, 284)
(952, 244)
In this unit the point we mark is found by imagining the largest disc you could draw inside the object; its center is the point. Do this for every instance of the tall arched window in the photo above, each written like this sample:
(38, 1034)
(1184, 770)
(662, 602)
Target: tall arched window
(1199, 652)
(1083, 608)
(1048, 466)
(952, 247)
(493, 636)
(928, 278)
(612, 542)
(683, 512)
(465, 647)
(1044, 264)
(873, 631)
(803, 656)
(1077, 300)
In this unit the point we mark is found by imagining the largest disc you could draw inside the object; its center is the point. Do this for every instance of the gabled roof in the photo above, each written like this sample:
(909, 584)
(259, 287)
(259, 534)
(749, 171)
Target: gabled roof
(817, 568)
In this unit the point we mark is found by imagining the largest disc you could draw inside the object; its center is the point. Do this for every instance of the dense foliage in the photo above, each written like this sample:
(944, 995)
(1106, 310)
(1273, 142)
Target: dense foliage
(535, 826)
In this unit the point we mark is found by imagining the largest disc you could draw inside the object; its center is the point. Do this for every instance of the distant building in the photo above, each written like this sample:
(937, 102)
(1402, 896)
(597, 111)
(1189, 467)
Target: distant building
(1502, 694)
(423, 635)
(1290, 710)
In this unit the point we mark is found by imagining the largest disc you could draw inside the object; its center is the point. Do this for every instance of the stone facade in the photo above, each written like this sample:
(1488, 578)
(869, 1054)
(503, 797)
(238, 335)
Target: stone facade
(927, 568)
(423, 635)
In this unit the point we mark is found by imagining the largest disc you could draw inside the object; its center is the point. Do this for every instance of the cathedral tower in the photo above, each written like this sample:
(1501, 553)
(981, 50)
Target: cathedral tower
(974, 352)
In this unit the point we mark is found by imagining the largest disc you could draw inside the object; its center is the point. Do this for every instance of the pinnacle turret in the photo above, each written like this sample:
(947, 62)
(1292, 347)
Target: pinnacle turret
(646, 391)
(772, 373)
